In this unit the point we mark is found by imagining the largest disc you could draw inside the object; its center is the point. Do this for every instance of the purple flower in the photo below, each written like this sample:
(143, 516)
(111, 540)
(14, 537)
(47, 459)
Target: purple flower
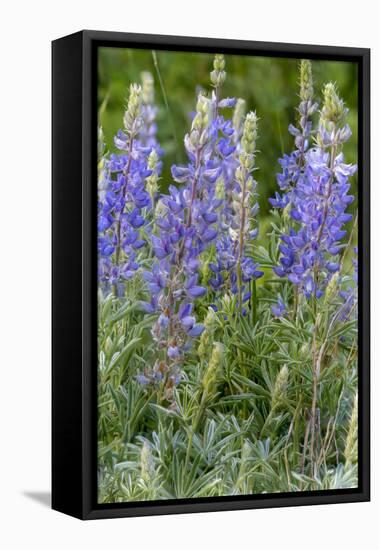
(187, 225)
(293, 164)
(234, 268)
(319, 199)
(123, 198)
(279, 309)
(196, 330)
(173, 352)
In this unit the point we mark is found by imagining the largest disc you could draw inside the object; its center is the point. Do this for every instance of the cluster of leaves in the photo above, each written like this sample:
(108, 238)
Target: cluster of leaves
(260, 395)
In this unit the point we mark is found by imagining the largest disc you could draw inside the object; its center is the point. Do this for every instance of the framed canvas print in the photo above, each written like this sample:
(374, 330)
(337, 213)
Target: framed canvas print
(210, 274)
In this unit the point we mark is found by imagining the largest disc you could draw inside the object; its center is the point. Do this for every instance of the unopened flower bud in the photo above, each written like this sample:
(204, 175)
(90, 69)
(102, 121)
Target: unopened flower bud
(152, 180)
(218, 74)
(332, 287)
(333, 109)
(213, 368)
(239, 112)
(147, 88)
(248, 141)
(280, 387)
(306, 80)
(131, 116)
(351, 447)
(147, 465)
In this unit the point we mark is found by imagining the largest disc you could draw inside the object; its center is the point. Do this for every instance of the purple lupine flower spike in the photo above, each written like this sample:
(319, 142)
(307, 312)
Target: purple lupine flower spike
(186, 227)
(234, 267)
(293, 164)
(310, 250)
(127, 186)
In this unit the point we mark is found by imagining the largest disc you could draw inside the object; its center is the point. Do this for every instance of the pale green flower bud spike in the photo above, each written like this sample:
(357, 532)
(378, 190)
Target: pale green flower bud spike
(249, 141)
(306, 80)
(351, 447)
(146, 462)
(333, 109)
(201, 119)
(101, 165)
(152, 180)
(218, 74)
(238, 115)
(132, 114)
(100, 143)
(147, 88)
(206, 338)
(214, 368)
(332, 288)
(280, 388)
(199, 135)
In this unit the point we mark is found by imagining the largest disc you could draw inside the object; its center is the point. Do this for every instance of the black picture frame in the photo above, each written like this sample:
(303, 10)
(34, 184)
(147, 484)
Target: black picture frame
(74, 298)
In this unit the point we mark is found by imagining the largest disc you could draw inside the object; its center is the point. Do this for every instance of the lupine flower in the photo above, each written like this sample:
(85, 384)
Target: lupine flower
(232, 260)
(148, 132)
(123, 195)
(186, 227)
(279, 309)
(293, 164)
(310, 250)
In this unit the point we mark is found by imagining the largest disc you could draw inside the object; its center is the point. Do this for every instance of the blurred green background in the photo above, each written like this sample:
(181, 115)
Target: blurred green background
(268, 85)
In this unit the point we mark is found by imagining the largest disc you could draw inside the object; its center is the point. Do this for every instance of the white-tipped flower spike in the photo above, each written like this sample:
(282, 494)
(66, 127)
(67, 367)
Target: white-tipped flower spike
(332, 129)
(333, 109)
(206, 337)
(147, 464)
(307, 107)
(249, 141)
(280, 387)
(218, 74)
(243, 199)
(201, 119)
(306, 80)
(132, 120)
(332, 287)
(147, 88)
(100, 143)
(152, 180)
(101, 164)
(238, 115)
(199, 134)
(214, 368)
(351, 447)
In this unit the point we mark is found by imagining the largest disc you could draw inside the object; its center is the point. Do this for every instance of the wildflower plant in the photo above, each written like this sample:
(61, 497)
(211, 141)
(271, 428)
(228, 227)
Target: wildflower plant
(227, 355)
(317, 200)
